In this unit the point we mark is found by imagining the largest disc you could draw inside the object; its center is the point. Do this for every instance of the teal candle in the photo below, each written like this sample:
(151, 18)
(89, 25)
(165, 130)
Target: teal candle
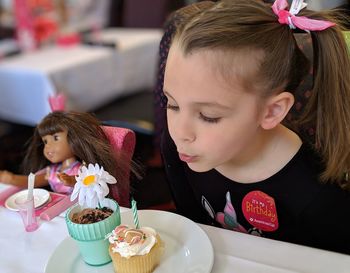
(134, 212)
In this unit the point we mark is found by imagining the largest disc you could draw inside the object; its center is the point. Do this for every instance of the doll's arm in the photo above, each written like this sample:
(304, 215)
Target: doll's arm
(68, 180)
(21, 180)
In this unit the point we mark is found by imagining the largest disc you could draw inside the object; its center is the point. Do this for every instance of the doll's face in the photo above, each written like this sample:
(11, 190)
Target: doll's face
(56, 147)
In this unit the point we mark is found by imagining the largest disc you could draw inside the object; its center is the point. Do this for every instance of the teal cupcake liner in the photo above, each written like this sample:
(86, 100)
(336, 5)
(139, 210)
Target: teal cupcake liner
(94, 231)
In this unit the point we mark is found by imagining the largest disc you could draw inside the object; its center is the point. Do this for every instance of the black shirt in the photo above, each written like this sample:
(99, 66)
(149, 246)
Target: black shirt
(308, 212)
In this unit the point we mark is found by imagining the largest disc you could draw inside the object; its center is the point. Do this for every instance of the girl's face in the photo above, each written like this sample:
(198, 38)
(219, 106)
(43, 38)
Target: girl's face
(56, 147)
(213, 124)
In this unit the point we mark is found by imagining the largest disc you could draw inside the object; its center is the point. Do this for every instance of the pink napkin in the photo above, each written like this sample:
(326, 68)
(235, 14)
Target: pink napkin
(7, 193)
(57, 208)
(54, 199)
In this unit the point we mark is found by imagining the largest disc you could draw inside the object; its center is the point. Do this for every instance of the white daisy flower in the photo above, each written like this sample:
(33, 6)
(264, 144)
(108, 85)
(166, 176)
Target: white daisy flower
(91, 185)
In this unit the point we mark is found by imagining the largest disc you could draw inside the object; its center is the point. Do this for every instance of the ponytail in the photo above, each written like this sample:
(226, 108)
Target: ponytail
(329, 106)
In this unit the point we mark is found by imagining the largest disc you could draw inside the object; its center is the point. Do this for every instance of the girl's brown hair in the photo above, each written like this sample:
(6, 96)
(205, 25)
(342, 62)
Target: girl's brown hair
(180, 16)
(251, 27)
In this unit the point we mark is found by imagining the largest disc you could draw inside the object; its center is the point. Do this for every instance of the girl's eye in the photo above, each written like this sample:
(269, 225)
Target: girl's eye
(55, 138)
(172, 107)
(207, 119)
(45, 141)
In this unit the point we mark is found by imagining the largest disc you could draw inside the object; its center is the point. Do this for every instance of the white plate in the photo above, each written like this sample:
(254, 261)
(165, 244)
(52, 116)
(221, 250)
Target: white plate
(41, 196)
(187, 247)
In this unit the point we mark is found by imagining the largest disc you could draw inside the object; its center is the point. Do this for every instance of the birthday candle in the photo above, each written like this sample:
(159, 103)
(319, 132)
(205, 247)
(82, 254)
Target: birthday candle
(134, 211)
(31, 179)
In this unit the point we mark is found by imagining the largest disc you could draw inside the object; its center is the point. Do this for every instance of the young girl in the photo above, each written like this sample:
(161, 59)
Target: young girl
(60, 144)
(173, 20)
(229, 81)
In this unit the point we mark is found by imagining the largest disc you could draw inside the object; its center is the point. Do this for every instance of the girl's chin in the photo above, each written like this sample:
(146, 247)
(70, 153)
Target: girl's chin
(199, 168)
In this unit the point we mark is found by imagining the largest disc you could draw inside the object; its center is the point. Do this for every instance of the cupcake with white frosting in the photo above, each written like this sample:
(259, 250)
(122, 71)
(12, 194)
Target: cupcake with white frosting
(135, 250)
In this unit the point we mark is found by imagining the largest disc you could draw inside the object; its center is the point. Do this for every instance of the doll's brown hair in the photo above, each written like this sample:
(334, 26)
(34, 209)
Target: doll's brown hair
(85, 137)
(251, 27)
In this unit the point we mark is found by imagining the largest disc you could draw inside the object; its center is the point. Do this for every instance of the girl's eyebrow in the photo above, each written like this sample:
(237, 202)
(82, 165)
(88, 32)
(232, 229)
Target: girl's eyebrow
(212, 104)
(203, 104)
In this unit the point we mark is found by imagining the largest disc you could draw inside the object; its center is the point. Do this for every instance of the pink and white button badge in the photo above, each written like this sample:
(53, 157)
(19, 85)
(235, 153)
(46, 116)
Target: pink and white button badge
(259, 209)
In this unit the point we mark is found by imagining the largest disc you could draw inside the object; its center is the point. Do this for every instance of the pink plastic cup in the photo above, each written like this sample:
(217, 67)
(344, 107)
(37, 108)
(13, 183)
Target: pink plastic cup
(27, 212)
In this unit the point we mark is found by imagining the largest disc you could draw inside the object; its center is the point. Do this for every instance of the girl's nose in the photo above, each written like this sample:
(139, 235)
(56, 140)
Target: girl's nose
(183, 129)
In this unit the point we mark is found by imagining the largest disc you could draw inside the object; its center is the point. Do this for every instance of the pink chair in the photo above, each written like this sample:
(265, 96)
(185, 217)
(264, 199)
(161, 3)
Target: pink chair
(123, 143)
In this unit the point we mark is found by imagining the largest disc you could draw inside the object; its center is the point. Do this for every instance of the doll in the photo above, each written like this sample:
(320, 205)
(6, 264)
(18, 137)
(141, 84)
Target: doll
(63, 141)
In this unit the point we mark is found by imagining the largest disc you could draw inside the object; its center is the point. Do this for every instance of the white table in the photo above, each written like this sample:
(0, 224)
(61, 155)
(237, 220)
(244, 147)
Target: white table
(89, 76)
(135, 58)
(234, 252)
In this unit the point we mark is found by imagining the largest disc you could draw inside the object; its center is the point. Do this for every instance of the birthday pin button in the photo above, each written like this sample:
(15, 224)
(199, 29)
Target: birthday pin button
(259, 210)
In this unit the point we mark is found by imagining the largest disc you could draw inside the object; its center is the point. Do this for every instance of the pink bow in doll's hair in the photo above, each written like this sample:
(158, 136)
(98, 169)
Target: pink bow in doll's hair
(57, 102)
(300, 22)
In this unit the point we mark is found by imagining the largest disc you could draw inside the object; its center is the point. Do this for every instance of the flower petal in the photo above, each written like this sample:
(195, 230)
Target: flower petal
(92, 202)
(75, 192)
(108, 178)
(101, 192)
(82, 196)
(91, 169)
(95, 191)
(82, 170)
(104, 186)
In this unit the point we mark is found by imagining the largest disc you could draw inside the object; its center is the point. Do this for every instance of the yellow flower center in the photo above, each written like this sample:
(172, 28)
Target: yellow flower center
(90, 179)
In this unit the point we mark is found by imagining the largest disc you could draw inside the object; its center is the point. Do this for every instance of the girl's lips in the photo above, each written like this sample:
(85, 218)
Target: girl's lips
(187, 158)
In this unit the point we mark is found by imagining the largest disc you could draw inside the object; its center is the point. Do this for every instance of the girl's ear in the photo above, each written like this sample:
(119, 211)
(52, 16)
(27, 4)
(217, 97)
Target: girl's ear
(275, 110)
